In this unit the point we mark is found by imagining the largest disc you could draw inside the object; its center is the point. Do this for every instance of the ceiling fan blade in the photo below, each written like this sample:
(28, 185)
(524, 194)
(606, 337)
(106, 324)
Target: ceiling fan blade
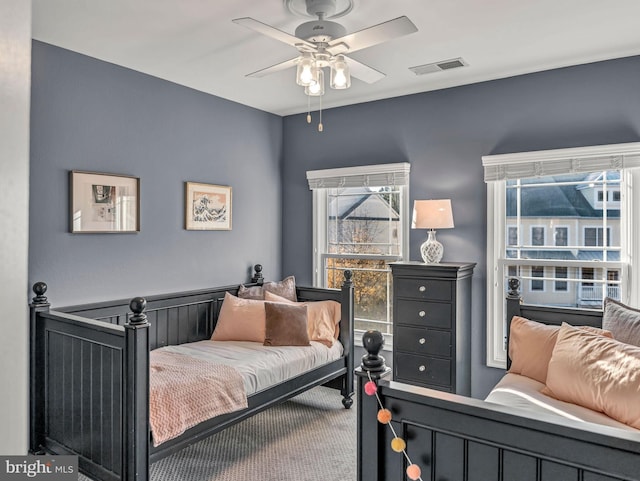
(274, 33)
(383, 32)
(364, 72)
(274, 68)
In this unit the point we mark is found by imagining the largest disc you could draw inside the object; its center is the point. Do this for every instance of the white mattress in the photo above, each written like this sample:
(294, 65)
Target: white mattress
(523, 392)
(261, 366)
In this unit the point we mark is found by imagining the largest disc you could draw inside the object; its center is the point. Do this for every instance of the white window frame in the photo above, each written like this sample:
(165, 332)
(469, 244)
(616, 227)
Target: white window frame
(544, 235)
(565, 227)
(396, 174)
(498, 168)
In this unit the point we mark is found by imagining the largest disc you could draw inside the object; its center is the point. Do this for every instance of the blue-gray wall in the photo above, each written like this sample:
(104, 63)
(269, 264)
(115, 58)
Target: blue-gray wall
(95, 116)
(91, 115)
(444, 134)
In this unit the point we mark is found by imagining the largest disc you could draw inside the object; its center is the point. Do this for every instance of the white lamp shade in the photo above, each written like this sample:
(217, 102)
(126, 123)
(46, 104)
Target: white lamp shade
(432, 214)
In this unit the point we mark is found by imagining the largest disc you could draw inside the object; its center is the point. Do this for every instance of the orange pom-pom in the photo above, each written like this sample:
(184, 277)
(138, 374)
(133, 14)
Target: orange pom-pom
(370, 388)
(398, 445)
(384, 416)
(413, 471)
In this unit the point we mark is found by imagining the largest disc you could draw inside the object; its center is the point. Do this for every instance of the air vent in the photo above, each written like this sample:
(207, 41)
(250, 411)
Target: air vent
(438, 66)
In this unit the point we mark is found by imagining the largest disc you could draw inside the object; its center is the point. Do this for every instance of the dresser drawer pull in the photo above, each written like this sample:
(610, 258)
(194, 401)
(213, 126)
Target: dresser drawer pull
(422, 340)
(422, 288)
(422, 368)
(422, 313)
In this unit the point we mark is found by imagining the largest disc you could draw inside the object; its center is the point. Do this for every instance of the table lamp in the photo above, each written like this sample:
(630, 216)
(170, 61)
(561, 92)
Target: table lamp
(432, 215)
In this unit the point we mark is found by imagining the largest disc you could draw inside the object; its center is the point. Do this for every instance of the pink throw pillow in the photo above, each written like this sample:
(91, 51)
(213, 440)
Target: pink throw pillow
(240, 320)
(531, 345)
(596, 372)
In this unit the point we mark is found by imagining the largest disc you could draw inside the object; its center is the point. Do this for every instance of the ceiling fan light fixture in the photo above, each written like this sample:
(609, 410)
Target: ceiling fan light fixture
(340, 75)
(304, 72)
(316, 87)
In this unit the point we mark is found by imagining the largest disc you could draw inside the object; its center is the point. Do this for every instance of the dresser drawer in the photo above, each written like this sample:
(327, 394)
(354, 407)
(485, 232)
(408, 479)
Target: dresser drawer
(423, 314)
(422, 289)
(422, 341)
(422, 369)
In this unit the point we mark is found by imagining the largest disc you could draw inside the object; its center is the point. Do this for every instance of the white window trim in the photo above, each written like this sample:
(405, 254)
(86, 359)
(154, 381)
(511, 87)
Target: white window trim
(544, 235)
(561, 226)
(364, 175)
(500, 167)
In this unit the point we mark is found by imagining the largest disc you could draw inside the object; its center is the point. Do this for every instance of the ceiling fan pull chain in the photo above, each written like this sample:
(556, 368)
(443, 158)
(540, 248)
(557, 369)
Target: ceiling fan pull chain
(308, 109)
(320, 123)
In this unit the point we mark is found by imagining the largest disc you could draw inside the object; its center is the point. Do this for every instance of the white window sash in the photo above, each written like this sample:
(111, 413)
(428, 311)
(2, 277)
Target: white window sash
(499, 168)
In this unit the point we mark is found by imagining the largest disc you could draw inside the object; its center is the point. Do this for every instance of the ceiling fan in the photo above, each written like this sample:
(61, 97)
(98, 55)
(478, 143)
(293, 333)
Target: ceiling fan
(324, 43)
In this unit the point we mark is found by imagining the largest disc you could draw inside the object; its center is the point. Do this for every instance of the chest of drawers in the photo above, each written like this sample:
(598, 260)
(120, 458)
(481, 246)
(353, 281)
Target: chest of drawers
(432, 325)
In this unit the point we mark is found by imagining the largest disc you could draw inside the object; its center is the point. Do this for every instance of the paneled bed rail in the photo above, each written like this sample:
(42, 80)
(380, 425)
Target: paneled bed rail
(456, 438)
(90, 374)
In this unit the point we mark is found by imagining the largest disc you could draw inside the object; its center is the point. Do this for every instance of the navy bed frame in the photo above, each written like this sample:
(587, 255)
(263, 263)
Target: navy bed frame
(456, 438)
(89, 367)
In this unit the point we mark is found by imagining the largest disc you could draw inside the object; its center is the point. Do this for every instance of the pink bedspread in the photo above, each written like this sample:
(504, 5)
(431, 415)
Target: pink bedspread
(184, 391)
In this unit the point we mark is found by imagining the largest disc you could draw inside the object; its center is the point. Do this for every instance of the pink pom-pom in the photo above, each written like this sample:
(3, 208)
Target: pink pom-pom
(370, 388)
(413, 472)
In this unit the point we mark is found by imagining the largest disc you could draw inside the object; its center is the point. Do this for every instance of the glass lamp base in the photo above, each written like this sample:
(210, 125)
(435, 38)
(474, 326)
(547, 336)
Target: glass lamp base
(431, 249)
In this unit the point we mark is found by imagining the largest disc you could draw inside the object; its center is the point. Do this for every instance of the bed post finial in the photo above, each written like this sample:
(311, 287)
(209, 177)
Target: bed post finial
(137, 306)
(514, 287)
(257, 277)
(373, 362)
(347, 277)
(39, 288)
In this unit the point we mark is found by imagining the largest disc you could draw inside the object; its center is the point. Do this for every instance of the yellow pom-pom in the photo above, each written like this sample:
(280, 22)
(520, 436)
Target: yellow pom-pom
(384, 416)
(398, 445)
(413, 472)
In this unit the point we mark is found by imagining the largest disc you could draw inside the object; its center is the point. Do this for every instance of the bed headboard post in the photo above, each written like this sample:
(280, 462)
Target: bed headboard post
(372, 368)
(136, 394)
(346, 330)
(39, 303)
(257, 276)
(514, 300)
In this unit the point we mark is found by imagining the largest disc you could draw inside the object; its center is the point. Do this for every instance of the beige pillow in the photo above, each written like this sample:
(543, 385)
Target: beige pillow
(596, 372)
(623, 321)
(285, 288)
(323, 318)
(286, 324)
(240, 320)
(531, 345)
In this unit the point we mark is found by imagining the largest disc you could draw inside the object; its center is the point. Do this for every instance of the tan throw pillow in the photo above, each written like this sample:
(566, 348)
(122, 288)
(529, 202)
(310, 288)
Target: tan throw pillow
(286, 324)
(285, 288)
(323, 318)
(240, 320)
(596, 372)
(623, 321)
(531, 345)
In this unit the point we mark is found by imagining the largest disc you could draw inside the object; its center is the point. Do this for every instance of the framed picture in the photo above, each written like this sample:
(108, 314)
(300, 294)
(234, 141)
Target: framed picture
(103, 203)
(207, 206)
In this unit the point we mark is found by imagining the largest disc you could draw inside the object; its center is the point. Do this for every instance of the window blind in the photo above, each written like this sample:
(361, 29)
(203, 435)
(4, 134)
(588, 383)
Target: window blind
(361, 176)
(561, 161)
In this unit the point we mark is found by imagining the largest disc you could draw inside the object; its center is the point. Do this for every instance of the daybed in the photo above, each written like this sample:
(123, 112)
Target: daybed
(90, 372)
(455, 438)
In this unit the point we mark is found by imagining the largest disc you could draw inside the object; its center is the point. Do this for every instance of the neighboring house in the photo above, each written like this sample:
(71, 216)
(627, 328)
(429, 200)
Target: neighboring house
(564, 222)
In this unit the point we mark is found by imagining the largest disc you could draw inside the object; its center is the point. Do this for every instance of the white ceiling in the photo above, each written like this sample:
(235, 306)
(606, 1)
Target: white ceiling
(194, 43)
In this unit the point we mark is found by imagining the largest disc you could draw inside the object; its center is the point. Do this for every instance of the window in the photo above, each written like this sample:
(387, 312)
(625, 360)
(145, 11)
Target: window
(561, 273)
(513, 236)
(592, 238)
(561, 236)
(361, 223)
(536, 284)
(537, 236)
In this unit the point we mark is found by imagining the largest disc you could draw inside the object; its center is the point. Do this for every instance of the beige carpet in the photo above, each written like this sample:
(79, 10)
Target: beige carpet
(309, 438)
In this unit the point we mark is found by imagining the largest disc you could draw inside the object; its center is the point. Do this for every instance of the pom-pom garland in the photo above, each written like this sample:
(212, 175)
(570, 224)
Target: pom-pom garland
(397, 444)
(370, 388)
